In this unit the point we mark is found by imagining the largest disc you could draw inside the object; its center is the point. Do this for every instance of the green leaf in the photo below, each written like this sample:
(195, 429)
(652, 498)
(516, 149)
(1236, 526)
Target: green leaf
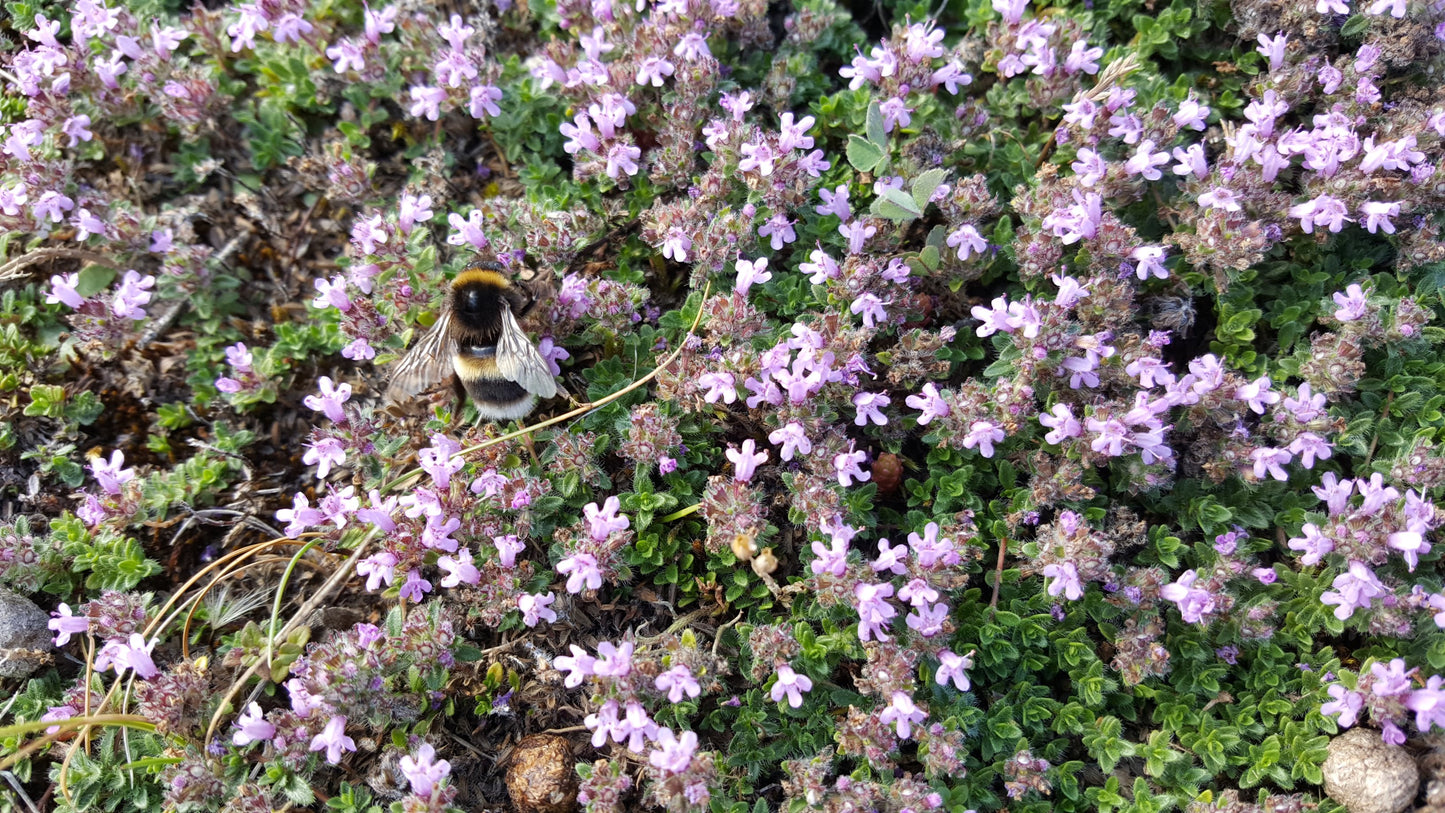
(896, 205)
(863, 154)
(46, 400)
(876, 133)
(925, 185)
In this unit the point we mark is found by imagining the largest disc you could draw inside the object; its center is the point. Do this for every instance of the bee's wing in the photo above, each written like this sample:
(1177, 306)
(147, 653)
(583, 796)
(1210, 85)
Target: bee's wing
(428, 361)
(519, 361)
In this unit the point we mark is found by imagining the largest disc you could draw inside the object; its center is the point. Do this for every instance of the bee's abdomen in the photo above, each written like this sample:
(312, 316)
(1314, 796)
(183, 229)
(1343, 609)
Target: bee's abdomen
(496, 397)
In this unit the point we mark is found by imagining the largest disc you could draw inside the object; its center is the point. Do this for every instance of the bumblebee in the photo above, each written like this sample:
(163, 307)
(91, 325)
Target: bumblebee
(478, 341)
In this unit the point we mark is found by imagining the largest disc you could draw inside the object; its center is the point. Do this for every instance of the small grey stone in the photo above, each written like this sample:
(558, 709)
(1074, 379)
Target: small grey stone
(1367, 776)
(25, 638)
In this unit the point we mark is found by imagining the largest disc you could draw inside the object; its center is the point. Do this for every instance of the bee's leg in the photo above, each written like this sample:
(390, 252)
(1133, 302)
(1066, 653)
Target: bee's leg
(459, 403)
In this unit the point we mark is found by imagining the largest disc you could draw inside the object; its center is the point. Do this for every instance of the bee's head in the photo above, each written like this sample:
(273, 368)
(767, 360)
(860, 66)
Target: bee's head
(478, 296)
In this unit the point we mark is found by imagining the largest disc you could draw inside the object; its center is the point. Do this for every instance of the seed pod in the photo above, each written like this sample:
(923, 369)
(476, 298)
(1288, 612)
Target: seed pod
(887, 473)
(541, 778)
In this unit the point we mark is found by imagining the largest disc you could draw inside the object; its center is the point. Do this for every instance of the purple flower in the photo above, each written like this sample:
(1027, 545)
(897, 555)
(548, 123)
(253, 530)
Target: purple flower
(951, 667)
(622, 157)
(109, 474)
(243, 32)
(931, 549)
(874, 611)
(751, 273)
(1410, 544)
(65, 625)
(337, 506)
(333, 740)
(1220, 198)
(652, 69)
(1061, 420)
(1012, 10)
(1314, 544)
(1272, 48)
(673, 754)
(927, 619)
(1324, 210)
(929, 402)
(132, 296)
(536, 607)
(331, 294)
(1355, 589)
(746, 460)
(1082, 58)
(983, 434)
(968, 241)
(1194, 603)
(582, 572)
(678, 682)
(426, 101)
(792, 685)
(757, 157)
(1307, 406)
(1272, 461)
(459, 568)
(439, 460)
(895, 114)
(377, 568)
(1346, 703)
(346, 54)
(857, 233)
(579, 665)
(835, 202)
(134, 653)
(831, 559)
(1428, 704)
(579, 135)
(1257, 394)
(1065, 581)
(780, 228)
(1145, 162)
(424, 771)
(468, 230)
(482, 101)
(869, 406)
(330, 400)
(1310, 446)
(252, 727)
(676, 244)
(691, 47)
(413, 209)
(820, 266)
(300, 516)
(902, 711)
(1390, 679)
(893, 559)
(614, 660)
(793, 439)
(871, 307)
(415, 588)
(1352, 303)
(1376, 215)
(325, 453)
(603, 522)
(846, 467)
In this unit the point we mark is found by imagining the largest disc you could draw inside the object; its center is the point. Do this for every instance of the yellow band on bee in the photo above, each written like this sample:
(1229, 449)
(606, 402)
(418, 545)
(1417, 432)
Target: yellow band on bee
(483, 276)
